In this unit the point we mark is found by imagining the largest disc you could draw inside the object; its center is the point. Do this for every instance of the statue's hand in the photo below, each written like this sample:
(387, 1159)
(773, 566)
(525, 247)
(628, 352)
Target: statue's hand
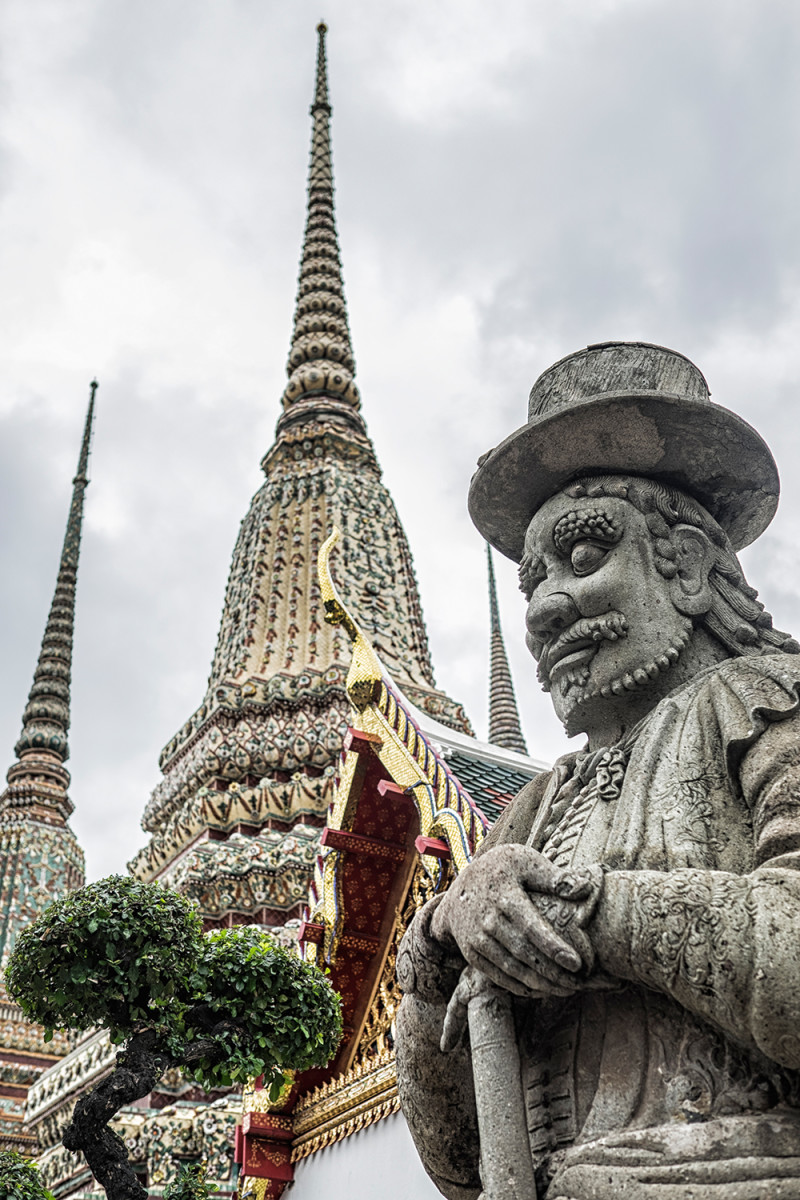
(519, 920)
(472, 983)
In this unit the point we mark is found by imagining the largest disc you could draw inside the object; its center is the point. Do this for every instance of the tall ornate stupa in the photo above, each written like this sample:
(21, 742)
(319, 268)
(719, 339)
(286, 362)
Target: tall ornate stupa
(248, 780)
(249, 810)
(40, 858)
(249, 777)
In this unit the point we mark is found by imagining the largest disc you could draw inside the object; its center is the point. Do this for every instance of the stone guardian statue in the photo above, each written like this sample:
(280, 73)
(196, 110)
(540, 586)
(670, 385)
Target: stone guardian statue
(611, 989)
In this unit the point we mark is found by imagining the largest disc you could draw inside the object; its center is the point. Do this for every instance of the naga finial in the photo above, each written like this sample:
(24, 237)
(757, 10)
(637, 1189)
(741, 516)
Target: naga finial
(365, 666)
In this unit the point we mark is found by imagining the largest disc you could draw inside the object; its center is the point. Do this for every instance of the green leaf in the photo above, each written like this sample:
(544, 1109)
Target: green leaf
(19, 1179)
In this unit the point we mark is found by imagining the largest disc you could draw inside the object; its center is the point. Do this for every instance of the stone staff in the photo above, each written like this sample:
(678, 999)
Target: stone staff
(506, 1167)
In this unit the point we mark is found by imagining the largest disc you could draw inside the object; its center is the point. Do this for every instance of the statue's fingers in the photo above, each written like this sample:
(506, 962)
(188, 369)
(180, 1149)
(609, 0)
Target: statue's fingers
(455, 1020)
(539, 874)
(574, 885)
(512, 977)
(582, 945)
(532, 934)
(512, 936)
(541, 933)
(519, 962)
(495, 974)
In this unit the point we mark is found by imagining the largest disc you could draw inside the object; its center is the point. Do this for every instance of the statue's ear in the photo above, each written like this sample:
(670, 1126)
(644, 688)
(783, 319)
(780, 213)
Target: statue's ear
(691, 590)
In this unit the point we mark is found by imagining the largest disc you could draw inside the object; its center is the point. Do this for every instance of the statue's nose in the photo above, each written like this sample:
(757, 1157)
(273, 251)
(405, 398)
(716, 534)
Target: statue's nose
(550, 613)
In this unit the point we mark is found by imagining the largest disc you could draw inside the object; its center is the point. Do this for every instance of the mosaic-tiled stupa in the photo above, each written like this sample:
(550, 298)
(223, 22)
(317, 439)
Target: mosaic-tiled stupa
(40, 858)
(249, 777)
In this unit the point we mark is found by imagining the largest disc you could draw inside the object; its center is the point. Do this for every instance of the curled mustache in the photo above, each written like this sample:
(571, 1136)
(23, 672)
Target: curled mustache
(608, 626)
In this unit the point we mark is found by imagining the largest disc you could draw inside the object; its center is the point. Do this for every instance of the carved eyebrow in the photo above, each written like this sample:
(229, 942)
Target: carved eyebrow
(596, 524)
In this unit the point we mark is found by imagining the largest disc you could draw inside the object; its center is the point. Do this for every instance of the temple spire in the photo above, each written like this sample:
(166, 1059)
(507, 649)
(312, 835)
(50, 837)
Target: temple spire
(42, 747)
(504, 726)
(321, 366)
(40, 859)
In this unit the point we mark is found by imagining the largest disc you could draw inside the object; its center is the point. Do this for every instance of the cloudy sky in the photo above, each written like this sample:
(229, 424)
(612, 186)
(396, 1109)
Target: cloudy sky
(514, 181)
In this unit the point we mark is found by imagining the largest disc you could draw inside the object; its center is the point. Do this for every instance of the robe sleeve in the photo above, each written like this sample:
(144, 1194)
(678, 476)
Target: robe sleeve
(724, 946)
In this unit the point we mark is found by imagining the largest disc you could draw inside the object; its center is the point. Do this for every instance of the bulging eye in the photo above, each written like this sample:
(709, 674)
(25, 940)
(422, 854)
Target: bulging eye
(587, 557)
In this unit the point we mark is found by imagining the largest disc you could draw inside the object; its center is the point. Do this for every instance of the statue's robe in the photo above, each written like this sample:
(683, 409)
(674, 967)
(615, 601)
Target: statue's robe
(683, 1079)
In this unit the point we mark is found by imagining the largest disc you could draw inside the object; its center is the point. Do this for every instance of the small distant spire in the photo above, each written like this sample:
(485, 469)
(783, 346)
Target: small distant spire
(42, 746)
(504, 726)
(40, 855)
(321, 363)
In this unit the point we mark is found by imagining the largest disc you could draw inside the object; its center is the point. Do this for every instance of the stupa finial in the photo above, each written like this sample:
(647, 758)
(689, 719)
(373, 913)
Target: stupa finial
(504, 724)
(321, 92)
(45, 721)
(321, 366)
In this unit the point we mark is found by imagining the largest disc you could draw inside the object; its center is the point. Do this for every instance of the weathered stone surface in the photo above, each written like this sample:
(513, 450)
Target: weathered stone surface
(626, 407)
(610, 991)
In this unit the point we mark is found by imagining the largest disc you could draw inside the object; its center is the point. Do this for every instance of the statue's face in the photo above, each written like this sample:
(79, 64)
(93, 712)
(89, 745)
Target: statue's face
(601, 621)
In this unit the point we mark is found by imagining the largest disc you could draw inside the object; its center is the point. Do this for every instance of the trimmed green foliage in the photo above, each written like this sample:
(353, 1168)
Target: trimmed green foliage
(190, 1184)
(282, 1012)
(20, 1180)
(130, 957)
(112, 954)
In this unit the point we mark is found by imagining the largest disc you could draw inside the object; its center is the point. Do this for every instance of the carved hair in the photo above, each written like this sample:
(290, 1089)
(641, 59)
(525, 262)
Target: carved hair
(736, 617)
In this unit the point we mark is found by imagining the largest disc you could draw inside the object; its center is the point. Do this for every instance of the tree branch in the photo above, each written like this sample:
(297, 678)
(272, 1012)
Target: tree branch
(209, 1047)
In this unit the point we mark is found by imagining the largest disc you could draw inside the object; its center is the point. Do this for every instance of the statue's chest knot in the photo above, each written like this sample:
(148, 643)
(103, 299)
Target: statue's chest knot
(596, 777)
(609, 773)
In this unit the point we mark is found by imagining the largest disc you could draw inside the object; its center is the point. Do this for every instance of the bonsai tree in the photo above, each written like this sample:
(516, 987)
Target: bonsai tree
(20, 1180)
(131, 958)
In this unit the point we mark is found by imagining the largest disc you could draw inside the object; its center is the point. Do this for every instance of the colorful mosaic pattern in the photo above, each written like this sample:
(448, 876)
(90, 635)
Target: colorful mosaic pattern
(246, 875)
(38, 862)
(275, 709)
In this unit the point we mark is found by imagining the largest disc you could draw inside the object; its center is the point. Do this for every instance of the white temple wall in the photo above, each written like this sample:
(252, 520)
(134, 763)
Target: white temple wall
(379, 1163)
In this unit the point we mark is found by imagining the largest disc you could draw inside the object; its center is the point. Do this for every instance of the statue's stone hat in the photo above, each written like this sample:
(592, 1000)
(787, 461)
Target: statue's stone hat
(625, 408)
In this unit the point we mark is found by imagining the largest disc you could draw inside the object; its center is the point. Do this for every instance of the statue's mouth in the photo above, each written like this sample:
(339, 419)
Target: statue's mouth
(578, 644)
(572, 656)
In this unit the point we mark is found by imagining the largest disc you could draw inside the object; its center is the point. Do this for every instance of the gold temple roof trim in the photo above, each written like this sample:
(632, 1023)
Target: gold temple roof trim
(444, 808)
(365, 1094)
(411, 749)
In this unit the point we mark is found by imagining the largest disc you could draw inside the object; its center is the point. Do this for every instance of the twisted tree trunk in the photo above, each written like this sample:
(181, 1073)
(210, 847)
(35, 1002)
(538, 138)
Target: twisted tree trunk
(139, 1067)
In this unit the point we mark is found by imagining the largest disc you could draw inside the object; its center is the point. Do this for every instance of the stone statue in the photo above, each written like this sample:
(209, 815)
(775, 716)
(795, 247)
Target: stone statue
(630, 929)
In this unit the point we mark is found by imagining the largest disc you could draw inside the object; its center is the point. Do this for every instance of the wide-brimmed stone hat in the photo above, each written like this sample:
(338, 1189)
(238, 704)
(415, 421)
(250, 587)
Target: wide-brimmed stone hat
(625, 408)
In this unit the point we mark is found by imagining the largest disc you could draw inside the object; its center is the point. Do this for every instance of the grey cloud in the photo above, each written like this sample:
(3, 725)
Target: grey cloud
(629, 172)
